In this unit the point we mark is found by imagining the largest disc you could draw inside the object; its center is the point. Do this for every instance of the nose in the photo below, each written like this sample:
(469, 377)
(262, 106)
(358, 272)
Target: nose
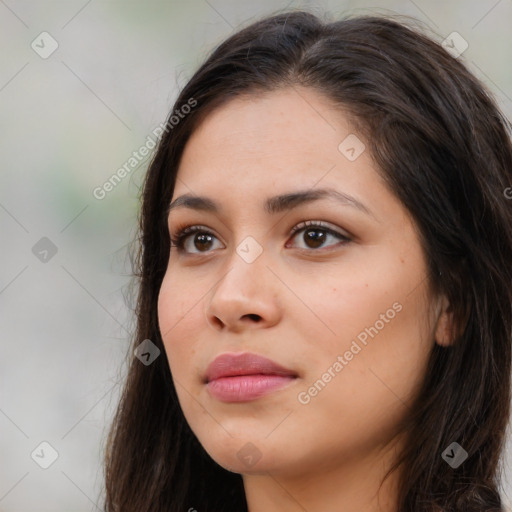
(245, 297)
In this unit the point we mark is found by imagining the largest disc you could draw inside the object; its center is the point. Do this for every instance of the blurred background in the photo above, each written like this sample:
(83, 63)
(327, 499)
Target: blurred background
(82, 86)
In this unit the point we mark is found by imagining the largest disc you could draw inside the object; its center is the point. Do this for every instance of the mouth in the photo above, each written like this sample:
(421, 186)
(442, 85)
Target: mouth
(244, 364)
(244, 376)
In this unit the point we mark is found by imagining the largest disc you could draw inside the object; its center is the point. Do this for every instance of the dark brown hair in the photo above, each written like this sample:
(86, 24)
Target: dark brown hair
(444, 149)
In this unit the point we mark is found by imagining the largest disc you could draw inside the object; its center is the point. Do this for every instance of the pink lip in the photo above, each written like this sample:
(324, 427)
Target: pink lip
(245, 376)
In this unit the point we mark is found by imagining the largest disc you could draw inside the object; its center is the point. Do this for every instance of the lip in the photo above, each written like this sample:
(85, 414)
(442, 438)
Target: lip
(244, 363)
(245, 376)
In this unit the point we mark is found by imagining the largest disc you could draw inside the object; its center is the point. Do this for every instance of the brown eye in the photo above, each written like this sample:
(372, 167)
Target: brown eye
(314, 238)
(314, 235)
(202, 241)
(194, 240)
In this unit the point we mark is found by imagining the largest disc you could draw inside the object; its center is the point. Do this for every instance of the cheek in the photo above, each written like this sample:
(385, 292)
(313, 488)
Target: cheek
(384, 358)
(347, 299)
(377, 321)
(180, 317)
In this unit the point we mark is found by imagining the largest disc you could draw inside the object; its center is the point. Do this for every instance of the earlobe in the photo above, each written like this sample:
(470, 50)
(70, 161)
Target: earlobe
(444, 332)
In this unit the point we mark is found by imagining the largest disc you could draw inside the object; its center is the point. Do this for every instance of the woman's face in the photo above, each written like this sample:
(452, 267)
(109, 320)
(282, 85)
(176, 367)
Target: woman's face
(342, 304)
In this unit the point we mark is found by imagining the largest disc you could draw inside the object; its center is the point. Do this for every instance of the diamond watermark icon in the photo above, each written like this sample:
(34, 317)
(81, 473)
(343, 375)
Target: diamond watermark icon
(351, 147)
(454, 455)
(44, 45)
(249, 249)
(455, 44)
(44, 455)
(44, 250)
(249, 454)
(147, 352)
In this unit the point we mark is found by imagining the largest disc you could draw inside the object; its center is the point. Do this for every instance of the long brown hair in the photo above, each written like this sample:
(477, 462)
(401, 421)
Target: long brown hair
(444, 149)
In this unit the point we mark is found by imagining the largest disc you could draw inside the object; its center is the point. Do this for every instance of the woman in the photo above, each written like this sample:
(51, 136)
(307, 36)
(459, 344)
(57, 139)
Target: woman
(325, 269)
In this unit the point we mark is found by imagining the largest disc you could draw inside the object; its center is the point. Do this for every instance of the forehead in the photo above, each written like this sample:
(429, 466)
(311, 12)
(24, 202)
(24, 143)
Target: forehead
(270, 139)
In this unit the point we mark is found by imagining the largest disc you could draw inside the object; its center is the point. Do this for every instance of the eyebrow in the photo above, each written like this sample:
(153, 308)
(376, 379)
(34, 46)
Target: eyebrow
(274, 204)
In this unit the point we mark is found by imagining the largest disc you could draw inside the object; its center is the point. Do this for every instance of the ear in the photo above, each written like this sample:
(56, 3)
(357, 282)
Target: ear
(444, 333)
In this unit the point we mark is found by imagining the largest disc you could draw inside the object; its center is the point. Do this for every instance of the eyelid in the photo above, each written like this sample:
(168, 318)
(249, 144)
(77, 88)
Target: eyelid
(320, 224)
(185, 231)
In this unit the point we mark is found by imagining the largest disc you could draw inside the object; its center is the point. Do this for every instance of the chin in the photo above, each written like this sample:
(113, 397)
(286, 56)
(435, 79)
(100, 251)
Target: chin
(242, 455)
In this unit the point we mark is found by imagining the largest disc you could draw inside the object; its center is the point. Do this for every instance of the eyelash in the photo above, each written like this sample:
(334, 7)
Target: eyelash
(178, 240)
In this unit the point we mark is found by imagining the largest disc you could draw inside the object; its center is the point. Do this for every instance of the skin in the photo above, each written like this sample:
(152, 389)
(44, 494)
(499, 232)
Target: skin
(299, 304)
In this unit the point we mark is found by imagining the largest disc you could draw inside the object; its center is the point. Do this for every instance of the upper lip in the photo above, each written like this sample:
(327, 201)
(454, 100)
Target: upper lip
(245, 363)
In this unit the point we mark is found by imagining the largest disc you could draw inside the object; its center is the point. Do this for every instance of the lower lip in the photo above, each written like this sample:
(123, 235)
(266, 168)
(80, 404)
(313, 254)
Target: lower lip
(246, 387)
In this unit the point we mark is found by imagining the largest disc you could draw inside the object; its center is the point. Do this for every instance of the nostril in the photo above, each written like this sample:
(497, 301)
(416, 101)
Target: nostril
(217, 322)
(253, 316)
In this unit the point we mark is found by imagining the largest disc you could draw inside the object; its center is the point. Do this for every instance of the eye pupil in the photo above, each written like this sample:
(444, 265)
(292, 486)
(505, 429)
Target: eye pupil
(204, 240)
(315, 236)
